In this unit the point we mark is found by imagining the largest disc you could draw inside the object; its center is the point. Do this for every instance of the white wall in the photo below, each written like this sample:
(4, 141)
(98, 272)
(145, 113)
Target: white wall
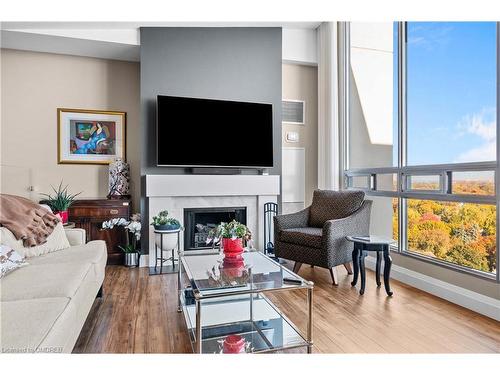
(372, 94)
(300, 46)
(300, 82)
(33, 86)
(371, 98)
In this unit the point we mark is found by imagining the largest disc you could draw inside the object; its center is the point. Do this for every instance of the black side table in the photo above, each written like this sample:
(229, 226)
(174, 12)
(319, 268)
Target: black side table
(363, 244)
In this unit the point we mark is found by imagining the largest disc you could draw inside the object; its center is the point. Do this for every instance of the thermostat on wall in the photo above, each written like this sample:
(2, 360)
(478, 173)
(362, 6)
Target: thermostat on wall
(292, 137)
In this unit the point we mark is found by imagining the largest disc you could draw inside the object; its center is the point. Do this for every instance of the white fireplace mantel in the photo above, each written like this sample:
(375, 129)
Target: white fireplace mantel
(174, 193)
(211, 185)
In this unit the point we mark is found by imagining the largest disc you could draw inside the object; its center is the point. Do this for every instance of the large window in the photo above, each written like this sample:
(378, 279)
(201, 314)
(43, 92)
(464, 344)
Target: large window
(432, 169)
(451, 92)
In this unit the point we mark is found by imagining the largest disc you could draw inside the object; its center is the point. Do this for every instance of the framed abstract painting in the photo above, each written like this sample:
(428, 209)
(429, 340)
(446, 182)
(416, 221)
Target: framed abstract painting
(90, 136)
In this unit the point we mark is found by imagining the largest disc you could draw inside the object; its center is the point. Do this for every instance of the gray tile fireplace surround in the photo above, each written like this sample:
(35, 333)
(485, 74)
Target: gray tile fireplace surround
(178, 192)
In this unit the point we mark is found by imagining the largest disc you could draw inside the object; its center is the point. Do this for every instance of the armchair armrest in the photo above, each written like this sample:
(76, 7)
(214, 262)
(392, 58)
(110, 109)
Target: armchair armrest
(76, 236)
(296, 220)
(335, 247)
(356, 224)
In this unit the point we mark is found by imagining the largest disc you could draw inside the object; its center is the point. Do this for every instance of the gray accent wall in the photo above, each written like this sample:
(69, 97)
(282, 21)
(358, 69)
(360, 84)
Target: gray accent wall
(242, 64)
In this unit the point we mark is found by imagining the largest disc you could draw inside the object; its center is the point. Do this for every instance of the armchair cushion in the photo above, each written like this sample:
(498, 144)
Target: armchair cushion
(332, 205)
(295, 220)
(308, 236)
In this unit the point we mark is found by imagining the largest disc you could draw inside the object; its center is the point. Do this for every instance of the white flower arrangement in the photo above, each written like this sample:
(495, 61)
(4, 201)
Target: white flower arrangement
(133, 226)
(118, 222)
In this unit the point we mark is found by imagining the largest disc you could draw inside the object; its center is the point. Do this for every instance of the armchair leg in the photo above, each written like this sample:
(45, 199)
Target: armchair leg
(296, 267)
(333, 273)
(348, 268)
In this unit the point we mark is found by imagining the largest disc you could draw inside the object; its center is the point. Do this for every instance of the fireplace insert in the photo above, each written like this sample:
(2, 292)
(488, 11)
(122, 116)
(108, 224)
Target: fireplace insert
(199, 221)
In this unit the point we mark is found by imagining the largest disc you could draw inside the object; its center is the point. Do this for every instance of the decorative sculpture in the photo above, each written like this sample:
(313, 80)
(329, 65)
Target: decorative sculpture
(119, 179)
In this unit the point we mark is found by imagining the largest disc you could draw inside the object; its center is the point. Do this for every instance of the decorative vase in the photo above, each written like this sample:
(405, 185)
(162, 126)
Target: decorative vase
(63, 215)
(170, 238)
(232, 247)
(119, 179)
(132, 259)
(234, 344)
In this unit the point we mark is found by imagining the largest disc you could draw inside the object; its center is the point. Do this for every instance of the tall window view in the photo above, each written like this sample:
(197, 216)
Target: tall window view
(451, 118)
(460, 233)
(446, 186)
(451, 95)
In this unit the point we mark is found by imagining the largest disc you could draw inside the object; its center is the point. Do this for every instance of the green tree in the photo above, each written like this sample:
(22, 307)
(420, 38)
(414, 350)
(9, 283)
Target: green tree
(468, 256)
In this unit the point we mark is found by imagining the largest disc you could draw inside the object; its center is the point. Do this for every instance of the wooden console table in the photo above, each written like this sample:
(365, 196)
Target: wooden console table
(89, 215)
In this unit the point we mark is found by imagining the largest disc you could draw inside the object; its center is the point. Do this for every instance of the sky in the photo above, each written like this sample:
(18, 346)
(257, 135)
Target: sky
(451, 92)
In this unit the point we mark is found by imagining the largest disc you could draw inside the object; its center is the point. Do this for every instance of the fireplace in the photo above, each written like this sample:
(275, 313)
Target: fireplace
(199, 221)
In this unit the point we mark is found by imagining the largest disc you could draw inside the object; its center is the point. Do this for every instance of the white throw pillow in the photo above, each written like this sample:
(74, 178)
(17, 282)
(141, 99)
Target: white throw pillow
(56, 241)
(10, 260)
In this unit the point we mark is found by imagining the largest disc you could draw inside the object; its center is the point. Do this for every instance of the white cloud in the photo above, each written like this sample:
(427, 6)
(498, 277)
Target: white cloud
(482, 125)
(487, 152)
(430, 35)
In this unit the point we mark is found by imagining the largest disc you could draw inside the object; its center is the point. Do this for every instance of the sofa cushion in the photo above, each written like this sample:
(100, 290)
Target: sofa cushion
(56, 241)
(44, 281)
(308, 236)
(25, 323)
(93, 252)
(331, 205)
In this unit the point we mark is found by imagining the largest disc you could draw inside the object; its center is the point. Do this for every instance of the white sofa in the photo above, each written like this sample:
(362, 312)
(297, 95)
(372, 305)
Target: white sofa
(44, 305)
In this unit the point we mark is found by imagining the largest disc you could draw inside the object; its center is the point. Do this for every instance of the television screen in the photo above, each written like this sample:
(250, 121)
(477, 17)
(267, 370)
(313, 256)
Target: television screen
(193, 132)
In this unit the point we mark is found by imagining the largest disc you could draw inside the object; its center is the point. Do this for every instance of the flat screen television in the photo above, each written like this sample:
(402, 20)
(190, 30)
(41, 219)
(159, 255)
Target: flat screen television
(195, 132)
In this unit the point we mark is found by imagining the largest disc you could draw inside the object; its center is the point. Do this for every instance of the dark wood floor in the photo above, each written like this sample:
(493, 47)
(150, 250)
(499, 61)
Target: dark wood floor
(138, 314)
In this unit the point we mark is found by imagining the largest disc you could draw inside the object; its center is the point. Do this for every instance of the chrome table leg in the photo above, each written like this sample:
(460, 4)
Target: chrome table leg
(198, 326)
(310, 320)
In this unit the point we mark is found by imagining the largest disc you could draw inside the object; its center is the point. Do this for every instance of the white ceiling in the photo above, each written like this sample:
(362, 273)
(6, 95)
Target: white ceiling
(110, 40)
(136, 25)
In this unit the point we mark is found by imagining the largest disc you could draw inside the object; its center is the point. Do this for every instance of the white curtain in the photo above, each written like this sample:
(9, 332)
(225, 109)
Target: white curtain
(328, 119)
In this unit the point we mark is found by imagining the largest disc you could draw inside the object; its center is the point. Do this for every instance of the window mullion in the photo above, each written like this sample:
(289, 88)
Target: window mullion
(402, 133)
(497, 174)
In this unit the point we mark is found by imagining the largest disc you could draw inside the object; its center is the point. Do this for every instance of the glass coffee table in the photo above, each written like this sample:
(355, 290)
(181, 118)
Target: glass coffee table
(226, 311)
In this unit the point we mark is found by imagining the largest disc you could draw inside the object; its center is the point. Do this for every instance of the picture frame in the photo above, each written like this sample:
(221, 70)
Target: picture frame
(88, 136)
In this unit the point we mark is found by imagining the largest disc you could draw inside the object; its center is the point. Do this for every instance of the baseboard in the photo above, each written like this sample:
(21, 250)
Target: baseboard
(144, 261)
(479, 303)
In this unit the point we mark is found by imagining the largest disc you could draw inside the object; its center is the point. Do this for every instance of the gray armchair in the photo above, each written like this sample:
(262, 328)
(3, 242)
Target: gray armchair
(317, 234)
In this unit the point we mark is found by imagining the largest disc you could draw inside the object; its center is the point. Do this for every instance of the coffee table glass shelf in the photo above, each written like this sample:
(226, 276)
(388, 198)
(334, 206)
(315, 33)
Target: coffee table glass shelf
(226, 311)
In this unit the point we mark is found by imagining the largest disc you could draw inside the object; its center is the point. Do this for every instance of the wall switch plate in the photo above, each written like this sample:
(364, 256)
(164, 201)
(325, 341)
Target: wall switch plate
(292, 137)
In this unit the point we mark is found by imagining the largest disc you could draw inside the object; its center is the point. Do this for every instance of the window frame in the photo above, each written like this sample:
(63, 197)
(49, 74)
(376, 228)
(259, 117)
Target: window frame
(403, 170)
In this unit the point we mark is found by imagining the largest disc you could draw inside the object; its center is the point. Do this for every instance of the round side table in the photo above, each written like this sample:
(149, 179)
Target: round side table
(166, 240)
(364, 244)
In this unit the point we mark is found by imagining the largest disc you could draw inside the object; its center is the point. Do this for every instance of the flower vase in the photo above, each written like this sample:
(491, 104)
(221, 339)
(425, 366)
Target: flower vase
(63, 215)
(232, 247)
(119, 179)
(132, 259)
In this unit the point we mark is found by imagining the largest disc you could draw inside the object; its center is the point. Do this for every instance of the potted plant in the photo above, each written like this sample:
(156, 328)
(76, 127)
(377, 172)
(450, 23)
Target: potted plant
(169, 229)
(133, 230)
(60, 201)
(163, 222)
(231, 235)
